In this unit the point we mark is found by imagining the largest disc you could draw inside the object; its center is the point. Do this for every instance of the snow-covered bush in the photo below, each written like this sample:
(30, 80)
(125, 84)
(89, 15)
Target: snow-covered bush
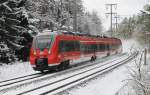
(6, 55)
(139, 80)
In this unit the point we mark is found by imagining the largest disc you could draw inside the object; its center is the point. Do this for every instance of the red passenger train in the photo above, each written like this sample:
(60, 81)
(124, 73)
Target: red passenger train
(56, 50)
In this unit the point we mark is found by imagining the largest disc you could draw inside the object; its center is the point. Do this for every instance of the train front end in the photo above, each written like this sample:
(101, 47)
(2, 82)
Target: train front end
(42, 52)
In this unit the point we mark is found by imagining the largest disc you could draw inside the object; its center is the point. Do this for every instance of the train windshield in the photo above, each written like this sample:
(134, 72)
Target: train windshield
(44, 42)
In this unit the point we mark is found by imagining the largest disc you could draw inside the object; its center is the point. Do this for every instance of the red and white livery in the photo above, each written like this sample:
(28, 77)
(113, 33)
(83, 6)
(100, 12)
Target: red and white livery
(56, 50)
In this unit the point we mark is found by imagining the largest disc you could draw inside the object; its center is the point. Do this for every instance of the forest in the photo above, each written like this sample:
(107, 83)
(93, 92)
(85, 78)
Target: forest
(21, 20)
(137, 27)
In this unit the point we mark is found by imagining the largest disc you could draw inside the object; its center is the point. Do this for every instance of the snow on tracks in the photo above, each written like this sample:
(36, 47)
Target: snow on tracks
(35, 85)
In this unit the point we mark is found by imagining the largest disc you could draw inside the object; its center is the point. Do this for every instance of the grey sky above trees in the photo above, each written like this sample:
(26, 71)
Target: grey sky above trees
(126, 8)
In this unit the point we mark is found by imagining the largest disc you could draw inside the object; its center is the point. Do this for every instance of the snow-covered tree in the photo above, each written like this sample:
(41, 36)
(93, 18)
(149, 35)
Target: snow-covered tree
(13, 24)
(13, 21)
(90, 23)
(48, 12)
(54, 14)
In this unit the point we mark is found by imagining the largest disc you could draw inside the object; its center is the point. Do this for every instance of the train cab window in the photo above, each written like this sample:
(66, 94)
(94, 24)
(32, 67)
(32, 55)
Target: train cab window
(43, 42)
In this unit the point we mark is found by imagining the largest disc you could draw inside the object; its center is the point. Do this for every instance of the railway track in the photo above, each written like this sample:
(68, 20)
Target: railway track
(55, 79)
(37, 75)
(62, 84)
(19, 79)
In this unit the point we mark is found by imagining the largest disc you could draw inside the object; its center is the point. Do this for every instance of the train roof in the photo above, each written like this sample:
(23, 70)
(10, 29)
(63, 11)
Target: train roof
(49, 32)
(46, 32)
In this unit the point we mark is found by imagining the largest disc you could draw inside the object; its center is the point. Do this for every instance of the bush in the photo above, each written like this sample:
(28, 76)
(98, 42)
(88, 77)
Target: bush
(6, 55)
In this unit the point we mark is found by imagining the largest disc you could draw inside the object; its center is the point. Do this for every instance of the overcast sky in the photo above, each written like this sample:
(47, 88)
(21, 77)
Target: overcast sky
(125, 8)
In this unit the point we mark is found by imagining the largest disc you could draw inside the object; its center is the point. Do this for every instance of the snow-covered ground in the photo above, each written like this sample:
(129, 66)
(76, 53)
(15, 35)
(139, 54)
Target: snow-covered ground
(15, 70)
(107, 84)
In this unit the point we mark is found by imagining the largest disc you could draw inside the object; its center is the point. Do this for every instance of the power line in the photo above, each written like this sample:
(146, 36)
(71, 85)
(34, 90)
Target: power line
(111, 13)
(116, 22)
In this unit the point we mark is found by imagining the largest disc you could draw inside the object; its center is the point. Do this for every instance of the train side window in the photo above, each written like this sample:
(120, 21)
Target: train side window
(104, 47)
(86, 48)
(90, 49)
(69, 46)
(101, 47)
(62, 46)
(77, 46)
(108, 47)
(94, 48)
(111, 46)
(82, 47)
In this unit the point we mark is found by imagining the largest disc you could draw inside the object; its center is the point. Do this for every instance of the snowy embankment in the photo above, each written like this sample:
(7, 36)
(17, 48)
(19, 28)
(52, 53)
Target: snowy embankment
(107, 84)
(138, 81)
(15, 70)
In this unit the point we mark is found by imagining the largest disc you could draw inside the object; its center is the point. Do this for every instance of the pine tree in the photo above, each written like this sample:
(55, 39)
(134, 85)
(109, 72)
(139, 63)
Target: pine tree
(13, 23)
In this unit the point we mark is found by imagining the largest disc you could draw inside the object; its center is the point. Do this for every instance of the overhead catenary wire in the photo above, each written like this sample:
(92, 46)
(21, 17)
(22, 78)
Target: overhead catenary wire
(111, 13)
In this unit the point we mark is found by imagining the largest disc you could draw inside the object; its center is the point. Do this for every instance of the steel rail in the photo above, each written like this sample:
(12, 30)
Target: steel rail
(93, 74)
(65, 79)
(49, 76)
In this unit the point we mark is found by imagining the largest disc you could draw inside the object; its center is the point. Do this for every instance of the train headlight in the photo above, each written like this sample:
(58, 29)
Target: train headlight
(34, 52)
(49, 52)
